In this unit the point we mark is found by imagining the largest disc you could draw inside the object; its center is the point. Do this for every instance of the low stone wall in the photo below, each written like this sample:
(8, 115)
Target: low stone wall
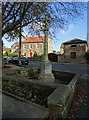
(28, 84)
(60, 100)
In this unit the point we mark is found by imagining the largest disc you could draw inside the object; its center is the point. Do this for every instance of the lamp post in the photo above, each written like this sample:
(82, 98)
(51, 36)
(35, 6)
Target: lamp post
(46, 74)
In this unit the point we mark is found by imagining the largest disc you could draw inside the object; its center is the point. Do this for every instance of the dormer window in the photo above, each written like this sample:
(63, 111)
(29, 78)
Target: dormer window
(73, 45)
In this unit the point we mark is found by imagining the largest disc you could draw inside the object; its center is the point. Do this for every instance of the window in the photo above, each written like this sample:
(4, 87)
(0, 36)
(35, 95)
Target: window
(30, 46)
(80, 45)
(14, 47)
(73, 45)
(37, 45)
(24, 46)
(73, 55)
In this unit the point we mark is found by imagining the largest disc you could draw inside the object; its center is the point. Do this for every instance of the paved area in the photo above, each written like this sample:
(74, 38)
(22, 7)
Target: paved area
(83, 102)
(14, 108)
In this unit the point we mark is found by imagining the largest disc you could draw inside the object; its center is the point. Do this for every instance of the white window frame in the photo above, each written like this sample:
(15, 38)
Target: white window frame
(30, 46)
(24, 46)
(37, 45)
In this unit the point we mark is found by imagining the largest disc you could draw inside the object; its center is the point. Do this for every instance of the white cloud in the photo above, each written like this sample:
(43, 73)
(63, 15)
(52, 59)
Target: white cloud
(68, 30)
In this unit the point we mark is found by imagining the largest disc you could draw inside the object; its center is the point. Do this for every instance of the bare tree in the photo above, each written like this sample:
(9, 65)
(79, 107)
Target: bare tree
(61, 14)
(16, 16)
(11, 15)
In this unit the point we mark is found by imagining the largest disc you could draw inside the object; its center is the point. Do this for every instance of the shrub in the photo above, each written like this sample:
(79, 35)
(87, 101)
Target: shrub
(9, 54)
(15, 54)
(6, 53)
(36, 56)
(87, 55)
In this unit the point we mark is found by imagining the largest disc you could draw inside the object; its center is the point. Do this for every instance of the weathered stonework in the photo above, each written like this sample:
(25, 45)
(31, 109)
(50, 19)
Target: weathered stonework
(60, 100)
(76, 45)
(46, 74)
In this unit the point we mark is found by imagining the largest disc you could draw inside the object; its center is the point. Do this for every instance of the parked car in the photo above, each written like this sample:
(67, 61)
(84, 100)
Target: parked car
(9, 60)
(15, 60)
(24, 60)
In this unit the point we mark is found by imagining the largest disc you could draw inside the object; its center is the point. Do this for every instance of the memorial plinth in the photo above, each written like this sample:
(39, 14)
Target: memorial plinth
(46, 74)
(46, 67)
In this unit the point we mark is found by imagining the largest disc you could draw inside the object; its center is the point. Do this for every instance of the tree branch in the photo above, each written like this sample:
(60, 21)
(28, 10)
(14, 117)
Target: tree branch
(9, 11)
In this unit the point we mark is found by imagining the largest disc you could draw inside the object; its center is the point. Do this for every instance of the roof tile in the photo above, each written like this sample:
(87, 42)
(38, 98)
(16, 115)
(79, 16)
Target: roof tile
(33, 39)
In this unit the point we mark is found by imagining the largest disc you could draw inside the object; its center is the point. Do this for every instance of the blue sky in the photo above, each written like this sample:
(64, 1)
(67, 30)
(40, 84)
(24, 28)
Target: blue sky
(77, 30)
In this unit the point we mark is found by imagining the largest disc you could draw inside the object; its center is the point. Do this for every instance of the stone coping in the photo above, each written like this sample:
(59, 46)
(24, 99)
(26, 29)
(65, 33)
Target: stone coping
(73, 81)
(59, 100)
(28, 82)
(59, 96)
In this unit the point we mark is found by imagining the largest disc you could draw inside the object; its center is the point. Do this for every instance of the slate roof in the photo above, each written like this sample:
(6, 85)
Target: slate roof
(75, 41)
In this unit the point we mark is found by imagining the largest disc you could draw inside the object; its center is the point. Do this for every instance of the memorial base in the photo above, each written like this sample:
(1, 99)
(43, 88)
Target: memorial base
(46, 74)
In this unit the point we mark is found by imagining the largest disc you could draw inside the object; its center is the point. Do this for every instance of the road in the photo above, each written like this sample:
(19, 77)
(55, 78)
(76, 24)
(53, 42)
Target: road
(74, 68)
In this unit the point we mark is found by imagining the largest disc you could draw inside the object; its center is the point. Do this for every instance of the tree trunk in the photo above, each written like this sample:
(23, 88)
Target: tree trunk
(20, 39)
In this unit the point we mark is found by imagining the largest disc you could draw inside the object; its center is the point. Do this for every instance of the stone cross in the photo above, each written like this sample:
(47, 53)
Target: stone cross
(45, 57)
(46, 67)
